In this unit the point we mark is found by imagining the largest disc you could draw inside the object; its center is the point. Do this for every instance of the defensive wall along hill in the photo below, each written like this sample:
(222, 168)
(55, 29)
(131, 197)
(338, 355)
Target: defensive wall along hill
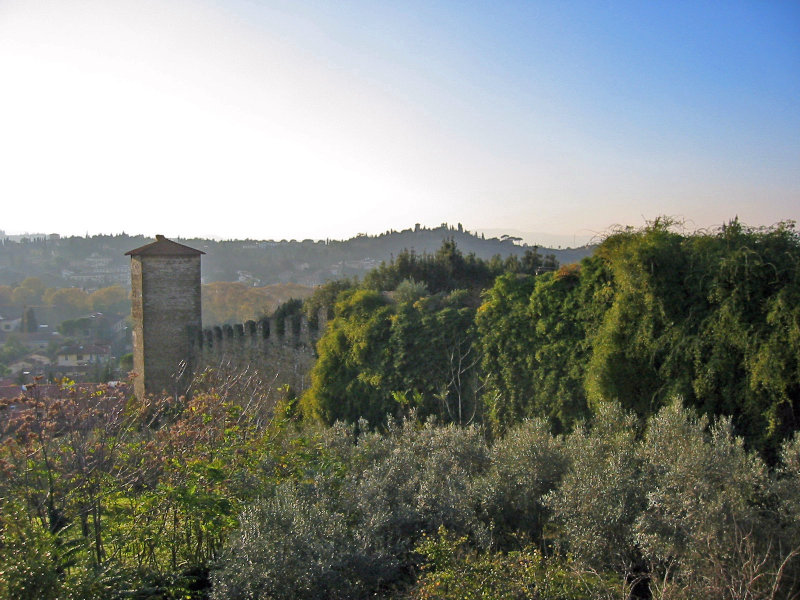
(170, 346)
(281, 353)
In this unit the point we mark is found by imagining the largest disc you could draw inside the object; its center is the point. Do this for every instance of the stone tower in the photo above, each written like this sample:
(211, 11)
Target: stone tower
(166, 312)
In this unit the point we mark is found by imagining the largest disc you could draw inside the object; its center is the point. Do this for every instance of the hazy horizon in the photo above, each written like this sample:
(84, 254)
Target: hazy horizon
(540, 238)
(526, 237)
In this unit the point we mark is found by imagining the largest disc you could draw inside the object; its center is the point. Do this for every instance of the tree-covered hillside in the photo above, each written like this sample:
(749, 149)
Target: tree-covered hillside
(100, 260)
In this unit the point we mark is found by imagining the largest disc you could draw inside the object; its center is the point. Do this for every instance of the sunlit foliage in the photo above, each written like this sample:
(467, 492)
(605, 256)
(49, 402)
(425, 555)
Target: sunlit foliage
(656, 313)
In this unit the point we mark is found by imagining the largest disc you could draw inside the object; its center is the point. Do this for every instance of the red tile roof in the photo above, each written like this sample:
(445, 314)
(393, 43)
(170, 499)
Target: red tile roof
(53, 390)
(164, 247)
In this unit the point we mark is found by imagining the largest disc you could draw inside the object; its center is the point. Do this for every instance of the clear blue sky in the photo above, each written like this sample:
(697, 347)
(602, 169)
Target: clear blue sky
(300, 119)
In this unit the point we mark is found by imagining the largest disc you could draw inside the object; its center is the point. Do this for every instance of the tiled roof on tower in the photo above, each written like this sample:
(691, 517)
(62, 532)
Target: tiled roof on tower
(164, 247)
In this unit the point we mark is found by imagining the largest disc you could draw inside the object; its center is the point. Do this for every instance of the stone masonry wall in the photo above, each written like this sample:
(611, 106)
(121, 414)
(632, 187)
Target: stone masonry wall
(165, 303)
(281, 354)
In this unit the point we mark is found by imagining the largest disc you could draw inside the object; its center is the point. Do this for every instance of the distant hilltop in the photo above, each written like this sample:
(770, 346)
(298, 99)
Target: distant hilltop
(99, 260)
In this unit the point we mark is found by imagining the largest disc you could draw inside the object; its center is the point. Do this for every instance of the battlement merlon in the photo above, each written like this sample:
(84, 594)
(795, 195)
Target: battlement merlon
(292, 332)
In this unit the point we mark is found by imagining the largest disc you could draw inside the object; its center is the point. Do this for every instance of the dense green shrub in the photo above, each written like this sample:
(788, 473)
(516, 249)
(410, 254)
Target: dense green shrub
(445, 270)
(289, 547)
(680, 511)
(31, 566)
(527, 463)
(36, 564)
(712, 317)
(355, 522)
(602, 494)
(380, 357)
(415, 480)
(453, 571)
(705, 494)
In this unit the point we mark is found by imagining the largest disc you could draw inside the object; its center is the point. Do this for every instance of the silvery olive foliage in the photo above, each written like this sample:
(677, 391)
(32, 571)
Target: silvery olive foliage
(687, 510)
(288, 546)
(704, 490)
(350, 530)
(602, 493)
(526, 464)
(716, 524)
(787, 491)
(788, 482)
(416, 480)
(673, 509)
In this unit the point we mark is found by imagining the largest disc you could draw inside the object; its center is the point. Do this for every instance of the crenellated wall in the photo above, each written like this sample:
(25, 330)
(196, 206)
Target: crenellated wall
(282, 353)
(170, 347)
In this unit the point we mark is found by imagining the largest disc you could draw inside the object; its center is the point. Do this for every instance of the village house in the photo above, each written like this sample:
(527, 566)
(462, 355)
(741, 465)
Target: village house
(9, 324)
(75, 360)
(35, 364)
